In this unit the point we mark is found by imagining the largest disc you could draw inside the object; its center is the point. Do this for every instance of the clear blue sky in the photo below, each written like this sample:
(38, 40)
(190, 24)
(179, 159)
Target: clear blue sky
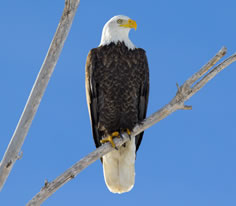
(188, 159)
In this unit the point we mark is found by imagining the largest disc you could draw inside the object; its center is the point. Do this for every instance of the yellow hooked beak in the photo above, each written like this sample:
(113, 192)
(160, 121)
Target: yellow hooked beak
(130, 24)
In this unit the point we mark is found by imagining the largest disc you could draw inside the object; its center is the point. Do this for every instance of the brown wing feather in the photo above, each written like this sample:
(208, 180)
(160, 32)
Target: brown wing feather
(92, 97)
(144, 92)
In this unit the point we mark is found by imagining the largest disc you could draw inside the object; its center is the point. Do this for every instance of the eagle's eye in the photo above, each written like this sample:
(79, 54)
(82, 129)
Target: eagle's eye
(119, 21)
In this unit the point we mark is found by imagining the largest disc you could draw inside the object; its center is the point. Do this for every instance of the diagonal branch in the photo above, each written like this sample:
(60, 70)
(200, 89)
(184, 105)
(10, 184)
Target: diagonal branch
(22, 128)
(188, 89)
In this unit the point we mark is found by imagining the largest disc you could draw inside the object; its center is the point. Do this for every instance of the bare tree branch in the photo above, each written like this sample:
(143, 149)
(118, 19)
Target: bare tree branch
(17, 140)
(184, 92)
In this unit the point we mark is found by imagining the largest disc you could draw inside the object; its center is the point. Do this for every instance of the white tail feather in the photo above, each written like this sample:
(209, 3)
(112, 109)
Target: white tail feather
(118, 168)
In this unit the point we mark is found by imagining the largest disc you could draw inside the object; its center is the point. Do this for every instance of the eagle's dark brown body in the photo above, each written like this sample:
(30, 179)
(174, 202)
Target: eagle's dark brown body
(117, 86)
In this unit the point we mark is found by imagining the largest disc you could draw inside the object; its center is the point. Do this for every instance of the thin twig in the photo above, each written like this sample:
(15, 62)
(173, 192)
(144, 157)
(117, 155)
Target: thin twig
(22, 128)
(183, 94)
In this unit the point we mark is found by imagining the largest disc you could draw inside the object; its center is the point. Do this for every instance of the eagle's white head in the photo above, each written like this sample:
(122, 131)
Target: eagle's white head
(117, 29)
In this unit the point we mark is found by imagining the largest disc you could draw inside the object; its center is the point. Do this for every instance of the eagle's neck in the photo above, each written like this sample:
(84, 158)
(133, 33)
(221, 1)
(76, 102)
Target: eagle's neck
(116, 35)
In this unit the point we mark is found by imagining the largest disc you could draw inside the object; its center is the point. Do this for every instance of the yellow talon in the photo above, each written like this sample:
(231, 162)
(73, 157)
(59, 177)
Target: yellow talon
(115, 134)
(128, 131)
(110, 139)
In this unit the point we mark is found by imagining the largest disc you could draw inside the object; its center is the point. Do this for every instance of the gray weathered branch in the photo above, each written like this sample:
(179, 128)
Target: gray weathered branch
(17, 140)
(184, 92)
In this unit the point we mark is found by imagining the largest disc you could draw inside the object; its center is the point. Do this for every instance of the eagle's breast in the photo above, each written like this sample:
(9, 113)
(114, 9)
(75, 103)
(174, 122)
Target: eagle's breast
(118, 77)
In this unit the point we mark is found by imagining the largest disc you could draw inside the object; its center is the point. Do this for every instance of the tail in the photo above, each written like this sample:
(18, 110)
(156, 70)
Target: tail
(118, 168)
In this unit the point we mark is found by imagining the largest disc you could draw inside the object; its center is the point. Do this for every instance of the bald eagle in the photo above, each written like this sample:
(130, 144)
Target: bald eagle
(117, 89)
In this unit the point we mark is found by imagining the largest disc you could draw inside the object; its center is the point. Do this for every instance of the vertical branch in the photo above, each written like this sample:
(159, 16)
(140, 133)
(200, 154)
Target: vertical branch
(36, 94)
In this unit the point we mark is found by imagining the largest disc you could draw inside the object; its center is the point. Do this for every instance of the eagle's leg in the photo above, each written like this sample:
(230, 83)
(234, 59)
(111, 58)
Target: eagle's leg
(110, 139)
(121, 134)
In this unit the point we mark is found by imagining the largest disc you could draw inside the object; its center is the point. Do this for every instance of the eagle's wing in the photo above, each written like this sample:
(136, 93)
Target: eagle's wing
(92, 95)
(144, 92)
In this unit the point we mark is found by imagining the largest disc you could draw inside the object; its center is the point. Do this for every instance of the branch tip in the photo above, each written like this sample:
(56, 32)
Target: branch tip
(177, 85)
(223, 51)
(187, 107)
(46, 184)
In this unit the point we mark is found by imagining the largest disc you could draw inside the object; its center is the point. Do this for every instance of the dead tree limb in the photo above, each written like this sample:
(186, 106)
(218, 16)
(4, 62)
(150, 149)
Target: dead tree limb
(36, 94)
(184, 92)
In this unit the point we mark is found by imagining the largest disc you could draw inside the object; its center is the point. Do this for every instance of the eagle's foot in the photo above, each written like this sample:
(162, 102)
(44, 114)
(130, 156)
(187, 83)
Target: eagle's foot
(110, 139)
(127, 131)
